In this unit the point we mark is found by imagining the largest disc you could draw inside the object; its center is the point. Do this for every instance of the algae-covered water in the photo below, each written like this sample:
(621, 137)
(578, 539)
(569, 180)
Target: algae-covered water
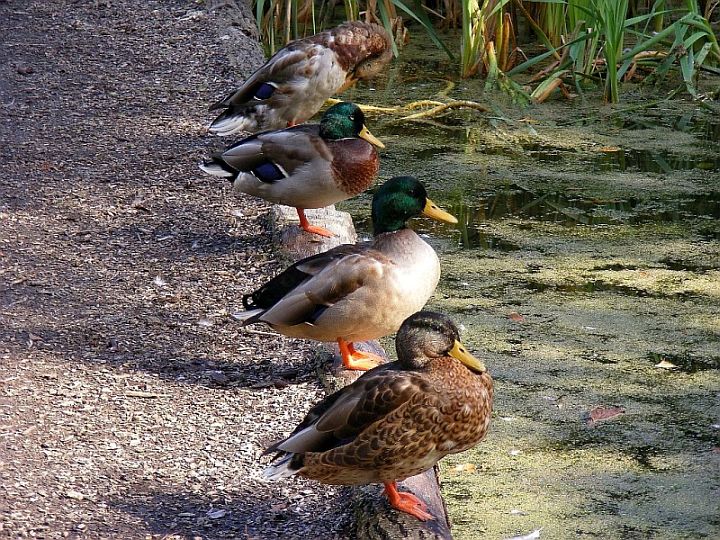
(586, 272)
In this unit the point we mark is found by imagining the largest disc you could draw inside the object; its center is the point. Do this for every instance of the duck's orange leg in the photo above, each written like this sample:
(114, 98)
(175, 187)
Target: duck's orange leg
(406, 502)
(357, 360)
(305, 225)
(349, 81)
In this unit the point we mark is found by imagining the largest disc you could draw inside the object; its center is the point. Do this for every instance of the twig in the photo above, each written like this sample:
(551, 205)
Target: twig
(138, 393)
(445, 106)
(260, 332)
(437, 108)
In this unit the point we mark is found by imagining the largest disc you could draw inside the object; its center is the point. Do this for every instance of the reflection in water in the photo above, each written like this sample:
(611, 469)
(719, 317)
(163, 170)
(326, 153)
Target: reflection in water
(690, 122)
(517, 201)
(687, 362)
(622, 160)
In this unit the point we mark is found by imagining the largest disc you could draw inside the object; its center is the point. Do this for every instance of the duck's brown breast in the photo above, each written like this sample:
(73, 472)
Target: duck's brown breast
(355, 164)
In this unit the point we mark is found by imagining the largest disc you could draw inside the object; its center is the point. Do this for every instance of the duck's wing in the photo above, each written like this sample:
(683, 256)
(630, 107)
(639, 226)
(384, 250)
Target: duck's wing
(292, 277)
(291, 87)
(342, 416)
(272, 155)
(311, 286)
(282, 67)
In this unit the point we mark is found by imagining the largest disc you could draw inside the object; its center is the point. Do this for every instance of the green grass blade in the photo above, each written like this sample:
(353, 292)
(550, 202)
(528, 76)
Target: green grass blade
(420, 16)
(385, 18)
(539, 58)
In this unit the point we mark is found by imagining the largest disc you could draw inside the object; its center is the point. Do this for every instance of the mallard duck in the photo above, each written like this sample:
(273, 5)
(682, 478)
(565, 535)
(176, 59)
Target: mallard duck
(396, 420)
(356, 292)
(307, 166)
(296, 81)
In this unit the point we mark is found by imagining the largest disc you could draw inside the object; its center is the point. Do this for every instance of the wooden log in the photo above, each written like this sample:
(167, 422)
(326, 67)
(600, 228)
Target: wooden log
(294, 243)
(375, 520)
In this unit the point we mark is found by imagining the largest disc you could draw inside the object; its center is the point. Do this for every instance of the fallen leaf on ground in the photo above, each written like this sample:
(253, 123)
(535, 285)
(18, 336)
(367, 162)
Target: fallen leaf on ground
(72, 494)
(515, 316)
(530, 536)
(217, 514)
(601, 412)
(664, 364)
(465, 468)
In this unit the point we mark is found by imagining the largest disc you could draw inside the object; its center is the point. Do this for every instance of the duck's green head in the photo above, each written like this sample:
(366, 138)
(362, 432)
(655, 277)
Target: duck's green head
(345, 120)
(400, 199)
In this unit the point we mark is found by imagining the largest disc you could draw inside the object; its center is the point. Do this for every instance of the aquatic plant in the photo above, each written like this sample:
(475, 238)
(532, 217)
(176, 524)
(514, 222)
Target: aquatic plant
(488, 37)
(586, 41)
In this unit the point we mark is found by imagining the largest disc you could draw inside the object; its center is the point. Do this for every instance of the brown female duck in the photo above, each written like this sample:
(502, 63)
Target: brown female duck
(299, 78)
(396, 420)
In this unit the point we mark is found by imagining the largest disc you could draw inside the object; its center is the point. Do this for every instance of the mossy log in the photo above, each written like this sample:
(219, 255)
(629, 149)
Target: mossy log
(374, 518)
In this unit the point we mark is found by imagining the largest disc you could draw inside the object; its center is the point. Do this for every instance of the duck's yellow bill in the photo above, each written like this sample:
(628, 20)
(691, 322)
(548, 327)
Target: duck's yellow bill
(432, 210)
(369, 137)
(460, 352)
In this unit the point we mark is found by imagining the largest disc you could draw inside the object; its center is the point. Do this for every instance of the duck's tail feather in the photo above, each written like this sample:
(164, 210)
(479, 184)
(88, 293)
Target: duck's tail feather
(216, 166)
(237, 120)
(247, 317)
(283, 467)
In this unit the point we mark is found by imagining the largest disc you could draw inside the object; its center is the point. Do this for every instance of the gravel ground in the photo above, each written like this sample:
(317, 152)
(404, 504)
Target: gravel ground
(130, 405)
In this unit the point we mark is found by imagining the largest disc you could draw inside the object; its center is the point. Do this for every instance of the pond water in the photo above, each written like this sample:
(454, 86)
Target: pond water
(585, 270)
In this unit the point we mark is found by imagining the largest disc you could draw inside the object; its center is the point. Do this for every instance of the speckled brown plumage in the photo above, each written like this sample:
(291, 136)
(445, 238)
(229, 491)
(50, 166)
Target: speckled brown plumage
(362, 49)
(293, 85)
(398, 419)
(445, 409)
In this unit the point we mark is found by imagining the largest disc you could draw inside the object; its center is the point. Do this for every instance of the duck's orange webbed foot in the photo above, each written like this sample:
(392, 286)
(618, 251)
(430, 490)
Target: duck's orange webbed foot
(357, 360)
(305, 225)
(407, 502)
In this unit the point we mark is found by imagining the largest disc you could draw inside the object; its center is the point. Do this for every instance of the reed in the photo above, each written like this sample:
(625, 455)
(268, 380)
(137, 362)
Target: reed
(584, 39)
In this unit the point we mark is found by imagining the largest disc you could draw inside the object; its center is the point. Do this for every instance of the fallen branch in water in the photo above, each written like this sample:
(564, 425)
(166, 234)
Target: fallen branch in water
(436, 108)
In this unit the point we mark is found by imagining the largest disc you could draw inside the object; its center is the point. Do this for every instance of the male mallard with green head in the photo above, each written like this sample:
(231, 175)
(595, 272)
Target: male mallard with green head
(396, 420)
(361, 291)
(299, 78)
(306, 166)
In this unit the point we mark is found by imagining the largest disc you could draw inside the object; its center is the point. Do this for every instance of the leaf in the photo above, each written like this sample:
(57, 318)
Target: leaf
(665, 364)
(516, 317)
(534, 535)
(420, 16)
(72, 494)
(602, 412)
(217, 514)
(467, 468)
